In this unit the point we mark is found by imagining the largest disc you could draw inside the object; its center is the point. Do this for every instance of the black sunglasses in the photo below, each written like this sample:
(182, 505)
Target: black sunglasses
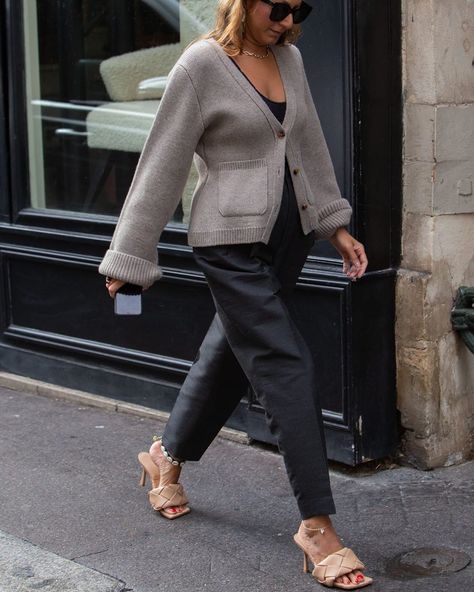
(280, 10)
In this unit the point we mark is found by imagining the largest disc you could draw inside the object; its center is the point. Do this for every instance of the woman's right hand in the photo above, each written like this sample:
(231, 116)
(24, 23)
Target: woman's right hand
(113, 285)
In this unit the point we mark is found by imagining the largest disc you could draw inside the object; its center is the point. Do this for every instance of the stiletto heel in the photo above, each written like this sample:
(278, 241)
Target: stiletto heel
(305, 563)
(149, 469)
(142, 481)
(164, 496)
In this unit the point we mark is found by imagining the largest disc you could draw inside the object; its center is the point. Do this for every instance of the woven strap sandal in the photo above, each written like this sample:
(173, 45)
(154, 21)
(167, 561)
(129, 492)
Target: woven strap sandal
(168, 495)
(165, 496)
(337, 564)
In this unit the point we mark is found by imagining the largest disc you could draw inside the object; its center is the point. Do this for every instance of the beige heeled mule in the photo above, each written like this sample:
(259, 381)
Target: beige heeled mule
(164, 496)
(337, 564)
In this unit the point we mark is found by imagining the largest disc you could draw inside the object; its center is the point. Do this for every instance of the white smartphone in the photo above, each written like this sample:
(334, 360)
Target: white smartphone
(128, 300)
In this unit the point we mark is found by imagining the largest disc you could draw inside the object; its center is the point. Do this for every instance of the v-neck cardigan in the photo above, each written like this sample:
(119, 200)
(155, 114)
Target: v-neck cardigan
(211, 112)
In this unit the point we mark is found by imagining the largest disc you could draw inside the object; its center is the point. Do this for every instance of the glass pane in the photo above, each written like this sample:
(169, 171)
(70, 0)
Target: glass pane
(326, 55)
(95, 73)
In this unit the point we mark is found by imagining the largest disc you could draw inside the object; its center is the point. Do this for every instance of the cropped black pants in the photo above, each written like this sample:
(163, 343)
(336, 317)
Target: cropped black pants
(253, 339)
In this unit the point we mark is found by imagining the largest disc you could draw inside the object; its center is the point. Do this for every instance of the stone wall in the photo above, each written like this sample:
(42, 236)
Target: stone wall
(435, 370)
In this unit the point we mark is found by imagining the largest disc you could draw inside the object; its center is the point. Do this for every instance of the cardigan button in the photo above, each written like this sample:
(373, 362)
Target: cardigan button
(304, 206)
(281, 134)
(296, 171)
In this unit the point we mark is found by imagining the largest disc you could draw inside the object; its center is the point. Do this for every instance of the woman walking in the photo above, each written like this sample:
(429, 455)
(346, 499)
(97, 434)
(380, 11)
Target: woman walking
(238, 101)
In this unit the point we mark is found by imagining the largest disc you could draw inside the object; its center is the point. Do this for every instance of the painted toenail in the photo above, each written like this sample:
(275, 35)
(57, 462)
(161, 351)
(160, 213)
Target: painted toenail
(359, 578)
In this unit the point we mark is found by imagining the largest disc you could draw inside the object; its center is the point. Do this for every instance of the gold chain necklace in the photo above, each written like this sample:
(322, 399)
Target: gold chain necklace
(256, 55)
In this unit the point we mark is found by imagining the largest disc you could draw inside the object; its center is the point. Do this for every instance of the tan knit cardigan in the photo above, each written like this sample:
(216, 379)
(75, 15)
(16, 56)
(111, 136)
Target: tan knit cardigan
(211, 112)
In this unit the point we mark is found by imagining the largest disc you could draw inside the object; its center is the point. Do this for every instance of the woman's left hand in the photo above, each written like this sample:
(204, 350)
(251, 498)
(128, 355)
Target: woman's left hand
(353, 253)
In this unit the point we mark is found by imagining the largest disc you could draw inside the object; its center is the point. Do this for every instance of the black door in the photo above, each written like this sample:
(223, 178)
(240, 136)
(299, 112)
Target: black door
(352, 59)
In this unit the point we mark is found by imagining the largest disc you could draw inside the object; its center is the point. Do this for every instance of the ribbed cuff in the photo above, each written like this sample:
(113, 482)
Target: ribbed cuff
(128, 268)
(334, 215)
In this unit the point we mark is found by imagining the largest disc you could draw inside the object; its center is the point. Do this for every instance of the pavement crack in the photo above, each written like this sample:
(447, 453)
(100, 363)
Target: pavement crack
(88, 554)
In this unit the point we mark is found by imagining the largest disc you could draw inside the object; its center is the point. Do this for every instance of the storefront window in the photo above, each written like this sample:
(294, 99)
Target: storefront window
(95, 73)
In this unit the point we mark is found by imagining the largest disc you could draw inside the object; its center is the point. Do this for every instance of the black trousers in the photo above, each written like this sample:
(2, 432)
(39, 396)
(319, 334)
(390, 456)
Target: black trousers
(253, 339)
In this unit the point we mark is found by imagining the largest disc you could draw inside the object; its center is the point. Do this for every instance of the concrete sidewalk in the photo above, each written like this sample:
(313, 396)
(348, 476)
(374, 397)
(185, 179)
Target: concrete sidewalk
(70, 487)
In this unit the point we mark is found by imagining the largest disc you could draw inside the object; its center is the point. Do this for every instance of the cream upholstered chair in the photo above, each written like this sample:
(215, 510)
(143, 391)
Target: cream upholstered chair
(135, 83)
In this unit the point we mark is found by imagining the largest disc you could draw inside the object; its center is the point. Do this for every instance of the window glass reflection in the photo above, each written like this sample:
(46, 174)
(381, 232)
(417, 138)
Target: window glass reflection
(95, 74)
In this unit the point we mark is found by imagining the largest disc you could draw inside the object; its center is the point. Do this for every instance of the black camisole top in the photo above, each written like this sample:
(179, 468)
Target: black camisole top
(277, 108)
(288, 214)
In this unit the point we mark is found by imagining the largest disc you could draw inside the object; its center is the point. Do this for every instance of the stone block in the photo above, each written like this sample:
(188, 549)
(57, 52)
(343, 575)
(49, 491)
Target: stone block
(418, 49)
(454, 50)
(418, 388)
(438, 47)
(419, 130)
(439, 301)
(454, 246)
(417, 242)
(455, 132)
(424, 303)
(418, 187)
(453, 191)
(410, 326)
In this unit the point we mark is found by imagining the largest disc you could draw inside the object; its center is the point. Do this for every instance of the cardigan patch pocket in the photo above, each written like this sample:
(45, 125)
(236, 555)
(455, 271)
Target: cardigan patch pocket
(243, 187)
